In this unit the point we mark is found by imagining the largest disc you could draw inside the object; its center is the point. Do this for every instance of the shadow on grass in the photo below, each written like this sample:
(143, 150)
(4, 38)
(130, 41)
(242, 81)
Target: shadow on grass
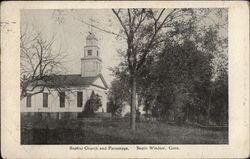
(117, 132)
(70, 136)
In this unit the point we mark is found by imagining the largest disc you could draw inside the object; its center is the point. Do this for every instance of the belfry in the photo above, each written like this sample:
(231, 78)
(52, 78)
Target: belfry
(91, 63)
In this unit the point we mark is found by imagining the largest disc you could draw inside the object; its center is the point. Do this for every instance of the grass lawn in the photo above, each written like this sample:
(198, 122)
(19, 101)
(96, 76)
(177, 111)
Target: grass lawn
(115, 132)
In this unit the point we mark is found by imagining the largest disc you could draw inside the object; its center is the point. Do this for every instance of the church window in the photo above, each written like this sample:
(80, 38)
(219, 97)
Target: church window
(89, 52)
(45, 100)
(28, 101)
(79, 99)
(97, 53)
(62, 99)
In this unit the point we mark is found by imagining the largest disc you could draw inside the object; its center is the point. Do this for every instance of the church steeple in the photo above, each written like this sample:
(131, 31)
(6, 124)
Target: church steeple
(91, 39)
(91, 63)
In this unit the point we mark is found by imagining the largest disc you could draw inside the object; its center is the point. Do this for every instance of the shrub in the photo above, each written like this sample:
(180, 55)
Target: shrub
(92, 105)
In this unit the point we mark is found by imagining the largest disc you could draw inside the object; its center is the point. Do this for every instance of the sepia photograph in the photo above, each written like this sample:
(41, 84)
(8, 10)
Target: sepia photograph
(124, 76)
(127, 79)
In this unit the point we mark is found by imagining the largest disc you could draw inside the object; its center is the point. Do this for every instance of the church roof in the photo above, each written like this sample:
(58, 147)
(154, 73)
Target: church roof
(72, 80)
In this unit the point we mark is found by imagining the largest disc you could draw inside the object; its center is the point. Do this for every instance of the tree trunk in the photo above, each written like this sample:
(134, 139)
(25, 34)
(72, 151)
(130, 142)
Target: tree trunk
(133, 104)
(209, 108)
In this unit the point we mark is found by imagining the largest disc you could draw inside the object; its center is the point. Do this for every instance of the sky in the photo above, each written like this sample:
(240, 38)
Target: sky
(70, 34)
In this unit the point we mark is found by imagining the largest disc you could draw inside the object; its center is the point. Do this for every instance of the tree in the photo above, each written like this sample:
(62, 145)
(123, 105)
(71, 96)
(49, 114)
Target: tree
(112, 107)
(219, 99)
(92, 104)
(143, 29)
(118, 93)
(187, 75)
(39, 62)
(190, 32)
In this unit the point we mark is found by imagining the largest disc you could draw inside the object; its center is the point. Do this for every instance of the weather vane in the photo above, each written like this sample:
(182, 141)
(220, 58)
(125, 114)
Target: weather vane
(91, 24)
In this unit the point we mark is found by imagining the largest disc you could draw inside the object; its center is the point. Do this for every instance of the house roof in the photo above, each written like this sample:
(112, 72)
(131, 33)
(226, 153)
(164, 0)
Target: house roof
(72, 80)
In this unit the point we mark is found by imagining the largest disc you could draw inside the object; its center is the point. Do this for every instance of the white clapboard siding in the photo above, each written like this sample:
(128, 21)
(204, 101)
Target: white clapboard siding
(70, 101)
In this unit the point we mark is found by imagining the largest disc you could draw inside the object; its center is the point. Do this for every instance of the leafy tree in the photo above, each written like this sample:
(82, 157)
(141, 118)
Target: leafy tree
(177, 73)
(186, 75)
(112, 107)
(143, 30)
(92, 104)
(179, 81)
(219, 100)
(118, 93)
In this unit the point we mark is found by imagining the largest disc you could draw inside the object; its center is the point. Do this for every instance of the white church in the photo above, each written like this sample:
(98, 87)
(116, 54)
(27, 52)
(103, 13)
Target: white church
(78, 87)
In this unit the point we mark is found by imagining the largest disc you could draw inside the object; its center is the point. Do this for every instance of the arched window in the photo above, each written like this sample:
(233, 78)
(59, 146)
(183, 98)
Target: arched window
(97, 53)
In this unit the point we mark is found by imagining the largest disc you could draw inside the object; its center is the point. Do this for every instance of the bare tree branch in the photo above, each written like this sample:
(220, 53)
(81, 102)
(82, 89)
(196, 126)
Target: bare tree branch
(38, 61)
(122, 24)
(146, 51)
